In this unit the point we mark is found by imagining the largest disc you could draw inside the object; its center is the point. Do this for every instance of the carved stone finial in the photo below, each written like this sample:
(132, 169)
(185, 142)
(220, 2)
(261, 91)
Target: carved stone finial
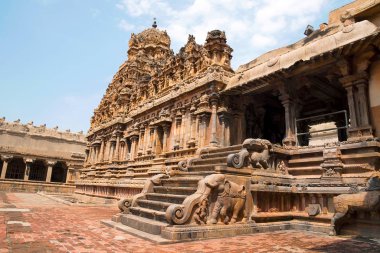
(154, 23)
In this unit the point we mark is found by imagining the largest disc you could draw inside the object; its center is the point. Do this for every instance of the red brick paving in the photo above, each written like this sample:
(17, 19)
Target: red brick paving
(57, 227)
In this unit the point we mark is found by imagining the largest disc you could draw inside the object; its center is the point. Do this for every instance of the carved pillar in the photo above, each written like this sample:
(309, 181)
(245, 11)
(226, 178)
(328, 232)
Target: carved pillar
(183, 130)
(214, 103)
(166, 130)
(141, 141)
(6, 160)
(204, 118)
(69, 175)
(192, 133)
(28, 162)
(50, 165)
(133, 146)
(112, 148)
(117, 147)
(225, 131)
(357, 97)
(178, 121)
(287, 100)
(101, 152)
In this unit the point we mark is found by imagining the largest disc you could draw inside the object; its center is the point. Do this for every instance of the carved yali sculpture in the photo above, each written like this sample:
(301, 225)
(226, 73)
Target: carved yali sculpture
(126, 203)
(255, 152)
(346, 204)
(229, 204)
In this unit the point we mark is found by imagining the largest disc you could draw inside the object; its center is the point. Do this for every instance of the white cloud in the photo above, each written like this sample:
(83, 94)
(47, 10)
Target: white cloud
(124, 25)
(259, 25)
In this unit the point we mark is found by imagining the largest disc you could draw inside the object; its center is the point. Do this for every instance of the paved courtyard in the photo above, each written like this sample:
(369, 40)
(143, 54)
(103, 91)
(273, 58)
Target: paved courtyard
(33, 223)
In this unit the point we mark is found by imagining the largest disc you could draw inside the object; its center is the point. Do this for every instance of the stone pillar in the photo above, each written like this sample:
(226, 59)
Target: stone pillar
(287, 101)
(6, 160)
(177, 129)
(50, 165)
(133, 147)
(357, 97)
(183, 130)
(239, 128)
(117, 147)
(166, 130)
(101, 152)
(225, 135)
(95, 153)
(192, 129)
(141, 141)
(214, 103)
(28, 162)
(155, 140)
(69, 175)
(204, 117)
(112, 149)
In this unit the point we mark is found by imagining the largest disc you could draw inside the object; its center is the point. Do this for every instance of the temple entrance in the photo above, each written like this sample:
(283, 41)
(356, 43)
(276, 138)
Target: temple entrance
(59, 173)
(264, 118)
(16, 169)
(322, 111)
(38, 171)
(1, 166)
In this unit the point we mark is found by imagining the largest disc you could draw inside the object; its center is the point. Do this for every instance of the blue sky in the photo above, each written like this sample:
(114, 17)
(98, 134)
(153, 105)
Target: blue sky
(58, 56)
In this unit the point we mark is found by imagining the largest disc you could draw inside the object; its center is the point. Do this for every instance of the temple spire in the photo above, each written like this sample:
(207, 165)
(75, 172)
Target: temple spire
(154, 23)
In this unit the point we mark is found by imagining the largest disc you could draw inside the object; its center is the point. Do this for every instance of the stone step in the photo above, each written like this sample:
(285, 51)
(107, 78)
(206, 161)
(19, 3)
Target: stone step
(148, 213)
(181, 181)
(306, 160)
(304, 168)
(174, 190)
(224, 149)
(210, 161)
(143, 224)
(204, 167)
(153, 204)
(170, 198)
(219, 154)
(194, 173)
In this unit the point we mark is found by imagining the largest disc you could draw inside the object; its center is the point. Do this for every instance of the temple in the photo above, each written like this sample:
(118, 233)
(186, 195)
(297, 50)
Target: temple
(193, 149)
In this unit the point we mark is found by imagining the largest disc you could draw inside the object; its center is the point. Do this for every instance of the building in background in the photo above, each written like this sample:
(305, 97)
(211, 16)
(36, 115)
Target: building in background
(35, 158)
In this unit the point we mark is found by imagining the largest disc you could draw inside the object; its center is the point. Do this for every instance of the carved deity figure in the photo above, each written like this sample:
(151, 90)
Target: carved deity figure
(201, 213)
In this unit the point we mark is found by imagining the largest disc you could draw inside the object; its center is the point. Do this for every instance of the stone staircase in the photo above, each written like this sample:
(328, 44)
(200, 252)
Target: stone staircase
(148, 213)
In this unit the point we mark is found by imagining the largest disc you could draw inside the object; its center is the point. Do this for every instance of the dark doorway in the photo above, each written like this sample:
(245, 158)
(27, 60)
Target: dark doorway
(59, 173)
(38, 171)
(16, 169)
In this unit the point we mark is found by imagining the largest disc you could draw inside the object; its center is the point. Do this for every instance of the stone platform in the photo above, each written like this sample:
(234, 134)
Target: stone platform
(49, 226)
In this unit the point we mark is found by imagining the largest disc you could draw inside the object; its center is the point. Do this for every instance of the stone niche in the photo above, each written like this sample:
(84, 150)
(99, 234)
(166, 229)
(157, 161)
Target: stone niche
(323, 133)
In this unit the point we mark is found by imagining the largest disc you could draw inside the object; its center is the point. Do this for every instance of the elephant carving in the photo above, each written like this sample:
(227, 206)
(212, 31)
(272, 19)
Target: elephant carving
(230, 203)
(255, 152)
(346, 204)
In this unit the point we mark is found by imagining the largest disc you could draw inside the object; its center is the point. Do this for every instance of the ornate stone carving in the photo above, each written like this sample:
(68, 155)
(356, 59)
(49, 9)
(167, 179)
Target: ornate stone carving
(125, 203)
(345, 204)
(255, 152)
(229, 204)
(201, 213)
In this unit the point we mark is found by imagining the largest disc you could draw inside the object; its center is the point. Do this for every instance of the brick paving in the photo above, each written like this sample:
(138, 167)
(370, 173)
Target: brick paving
(56, 227)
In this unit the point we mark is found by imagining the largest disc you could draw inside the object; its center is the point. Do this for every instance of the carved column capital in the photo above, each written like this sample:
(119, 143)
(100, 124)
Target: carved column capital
(50, 163)
(6, 158)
